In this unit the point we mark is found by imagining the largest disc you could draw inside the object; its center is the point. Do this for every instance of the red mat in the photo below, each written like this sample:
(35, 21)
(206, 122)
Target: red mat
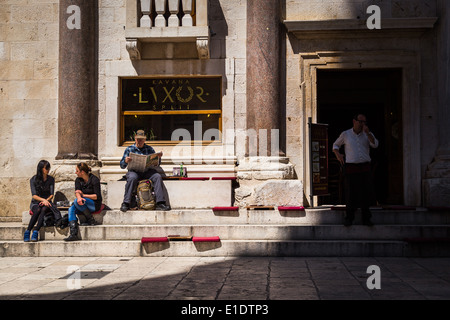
(206, 239)
(225, 209)
(154, 239)
(99, 210)
(223, 178)
(301, 208)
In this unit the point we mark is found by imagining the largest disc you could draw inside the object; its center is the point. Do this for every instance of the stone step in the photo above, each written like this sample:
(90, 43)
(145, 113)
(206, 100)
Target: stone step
(238, 232)
(244, 216)
(312, 232)
(292, 248)
(208, 193)
(133, 248)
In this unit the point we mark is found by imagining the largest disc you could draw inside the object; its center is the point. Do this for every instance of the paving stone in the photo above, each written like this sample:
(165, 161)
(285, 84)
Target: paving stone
(148, 278)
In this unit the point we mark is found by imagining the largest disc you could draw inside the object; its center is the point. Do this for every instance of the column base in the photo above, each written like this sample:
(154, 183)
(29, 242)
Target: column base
(268, 181)
(436, 184)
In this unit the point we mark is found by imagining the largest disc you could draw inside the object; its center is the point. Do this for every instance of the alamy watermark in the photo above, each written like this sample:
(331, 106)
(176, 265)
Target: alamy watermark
(74, 20)
(248, 141)
(74, 279)
(374, 280)
(374, 21)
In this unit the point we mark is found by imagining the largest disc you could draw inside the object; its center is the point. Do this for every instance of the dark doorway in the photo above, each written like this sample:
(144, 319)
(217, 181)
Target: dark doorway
(377, 93)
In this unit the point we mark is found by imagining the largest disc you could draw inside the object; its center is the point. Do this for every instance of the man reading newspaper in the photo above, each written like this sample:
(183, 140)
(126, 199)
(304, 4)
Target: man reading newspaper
(141, 161)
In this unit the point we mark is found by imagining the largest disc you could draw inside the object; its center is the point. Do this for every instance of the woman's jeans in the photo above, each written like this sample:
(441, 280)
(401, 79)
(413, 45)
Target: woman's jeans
(77, 209)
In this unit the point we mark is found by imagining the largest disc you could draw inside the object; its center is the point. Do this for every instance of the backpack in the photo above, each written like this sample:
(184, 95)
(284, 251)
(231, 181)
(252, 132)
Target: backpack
(145, 197)
(63, 222)
(49, 220)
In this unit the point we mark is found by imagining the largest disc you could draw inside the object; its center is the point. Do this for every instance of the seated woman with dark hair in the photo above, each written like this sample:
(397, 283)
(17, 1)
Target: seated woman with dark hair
(42, 190)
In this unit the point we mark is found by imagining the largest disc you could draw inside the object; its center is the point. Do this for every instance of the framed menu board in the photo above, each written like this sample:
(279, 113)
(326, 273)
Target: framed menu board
(318, 158)
(161, 105)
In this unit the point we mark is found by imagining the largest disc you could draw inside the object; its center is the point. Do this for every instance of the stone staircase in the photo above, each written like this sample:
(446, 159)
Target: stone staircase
(311, 232)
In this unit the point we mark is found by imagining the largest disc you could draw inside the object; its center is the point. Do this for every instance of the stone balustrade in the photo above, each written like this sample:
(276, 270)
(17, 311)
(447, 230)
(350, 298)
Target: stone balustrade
(167, 21)
(171, 13)
(167, 13)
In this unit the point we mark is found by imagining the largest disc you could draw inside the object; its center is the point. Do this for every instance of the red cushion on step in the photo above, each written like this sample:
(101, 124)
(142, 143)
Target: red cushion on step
(154, 239)
(225, 209)
(301, 208)
(102, 207)
(206, 239)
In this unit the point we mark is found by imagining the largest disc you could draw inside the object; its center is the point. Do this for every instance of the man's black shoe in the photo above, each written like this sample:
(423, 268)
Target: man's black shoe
(125, 206)
(162, 207)
(368, 223)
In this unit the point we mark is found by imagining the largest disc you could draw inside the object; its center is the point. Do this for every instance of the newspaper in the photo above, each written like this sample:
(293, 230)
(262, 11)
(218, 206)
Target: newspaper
(141, 163)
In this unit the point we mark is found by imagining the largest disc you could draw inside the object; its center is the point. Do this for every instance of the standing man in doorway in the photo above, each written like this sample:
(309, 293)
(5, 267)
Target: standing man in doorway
(358, 180)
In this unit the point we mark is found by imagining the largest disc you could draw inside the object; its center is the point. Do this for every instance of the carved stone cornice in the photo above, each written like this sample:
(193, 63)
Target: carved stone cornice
(353, 28)
(137, 38)
(133, 49)
(203, 47)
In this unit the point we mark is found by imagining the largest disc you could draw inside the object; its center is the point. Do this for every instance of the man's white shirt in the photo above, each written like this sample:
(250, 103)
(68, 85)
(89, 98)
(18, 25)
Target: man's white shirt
(357, 146)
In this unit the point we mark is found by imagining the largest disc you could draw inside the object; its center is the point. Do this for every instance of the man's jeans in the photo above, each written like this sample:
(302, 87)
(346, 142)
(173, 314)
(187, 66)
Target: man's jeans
(133, 179)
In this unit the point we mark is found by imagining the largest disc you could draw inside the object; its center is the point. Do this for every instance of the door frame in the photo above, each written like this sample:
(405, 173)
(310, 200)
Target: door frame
(409, 63)
(383, 108)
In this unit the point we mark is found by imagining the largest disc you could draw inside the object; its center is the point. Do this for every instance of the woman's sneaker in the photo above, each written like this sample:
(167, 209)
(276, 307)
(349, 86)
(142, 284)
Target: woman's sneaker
(35, 236)
(26, 236)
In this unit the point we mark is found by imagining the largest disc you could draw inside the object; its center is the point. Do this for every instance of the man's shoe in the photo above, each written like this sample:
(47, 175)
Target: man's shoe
(125, 206)
(347, 223)
(162, 207)
(368, 223)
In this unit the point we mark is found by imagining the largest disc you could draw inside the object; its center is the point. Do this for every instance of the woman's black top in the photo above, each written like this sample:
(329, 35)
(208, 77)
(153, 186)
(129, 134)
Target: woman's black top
(92, 186)
(43, 189)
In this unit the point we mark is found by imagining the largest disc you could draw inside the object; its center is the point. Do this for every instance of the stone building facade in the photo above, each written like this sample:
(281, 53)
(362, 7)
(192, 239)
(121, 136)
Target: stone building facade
(65, 67)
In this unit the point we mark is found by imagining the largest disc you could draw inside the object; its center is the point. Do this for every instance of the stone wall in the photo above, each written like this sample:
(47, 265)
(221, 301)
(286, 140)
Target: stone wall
(28, 97)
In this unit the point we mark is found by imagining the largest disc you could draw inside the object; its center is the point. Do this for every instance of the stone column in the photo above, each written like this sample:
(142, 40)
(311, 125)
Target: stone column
(77, 116)
(266, 177)
(436, 184)
(263, 72)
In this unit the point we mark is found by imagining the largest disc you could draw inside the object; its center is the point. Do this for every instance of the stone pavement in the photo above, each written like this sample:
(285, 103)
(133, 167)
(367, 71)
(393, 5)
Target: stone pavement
(223, 278)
